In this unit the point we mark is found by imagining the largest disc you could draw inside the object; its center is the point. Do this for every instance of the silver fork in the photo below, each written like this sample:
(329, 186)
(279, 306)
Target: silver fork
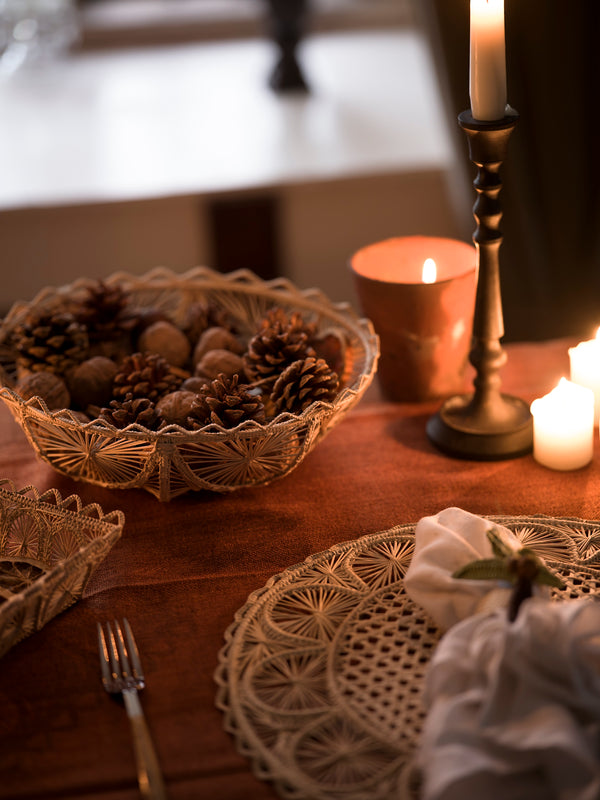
(122, 674)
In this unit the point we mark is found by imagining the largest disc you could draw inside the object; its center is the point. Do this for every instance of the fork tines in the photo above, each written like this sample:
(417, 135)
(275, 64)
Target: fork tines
(119, 657)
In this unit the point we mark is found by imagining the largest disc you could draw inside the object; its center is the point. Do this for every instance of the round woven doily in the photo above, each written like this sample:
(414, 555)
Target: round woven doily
(321, 676)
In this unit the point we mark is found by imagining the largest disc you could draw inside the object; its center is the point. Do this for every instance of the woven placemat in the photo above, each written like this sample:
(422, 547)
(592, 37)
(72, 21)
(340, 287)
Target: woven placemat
(321, 676)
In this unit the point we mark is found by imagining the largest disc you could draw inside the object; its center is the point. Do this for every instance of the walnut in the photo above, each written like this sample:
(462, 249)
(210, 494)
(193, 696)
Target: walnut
(51, 388)
(216, 338)
(91, 383)
(175, 407)
(216, 362)
(167, 340)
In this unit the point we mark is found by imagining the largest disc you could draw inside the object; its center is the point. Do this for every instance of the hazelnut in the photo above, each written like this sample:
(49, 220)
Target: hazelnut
(91, 382)
(167, 340)
(194, 384)
(115, 349)
(175, 407)
(216, 361)
(50, 387)
(216, 338)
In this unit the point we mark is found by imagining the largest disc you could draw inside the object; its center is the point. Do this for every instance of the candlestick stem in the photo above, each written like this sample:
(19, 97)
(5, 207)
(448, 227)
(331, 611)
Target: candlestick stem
(288, 22)
(486, 424)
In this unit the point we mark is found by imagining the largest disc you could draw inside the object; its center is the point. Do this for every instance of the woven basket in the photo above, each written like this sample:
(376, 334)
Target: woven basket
(173, 461)
(68, 542)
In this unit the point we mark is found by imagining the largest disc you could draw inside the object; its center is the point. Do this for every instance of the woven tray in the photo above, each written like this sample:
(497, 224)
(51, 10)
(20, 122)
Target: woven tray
(64, 542)
(173, 461)
(321, 677)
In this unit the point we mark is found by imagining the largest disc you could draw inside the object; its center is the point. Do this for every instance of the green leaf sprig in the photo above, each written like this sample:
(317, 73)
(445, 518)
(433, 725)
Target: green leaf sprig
(520, 568)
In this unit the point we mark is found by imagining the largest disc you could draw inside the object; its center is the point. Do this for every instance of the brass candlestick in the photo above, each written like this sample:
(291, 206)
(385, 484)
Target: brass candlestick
(485, 425)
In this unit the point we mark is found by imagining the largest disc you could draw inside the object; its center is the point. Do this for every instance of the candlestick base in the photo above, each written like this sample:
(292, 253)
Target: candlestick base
(463, 430)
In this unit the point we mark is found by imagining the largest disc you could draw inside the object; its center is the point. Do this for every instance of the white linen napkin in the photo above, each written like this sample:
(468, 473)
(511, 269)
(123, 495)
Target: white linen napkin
(514, 708)
(444, 543)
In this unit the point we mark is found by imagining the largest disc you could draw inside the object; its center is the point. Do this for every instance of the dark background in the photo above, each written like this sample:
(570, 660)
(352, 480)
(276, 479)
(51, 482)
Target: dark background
(550, 257)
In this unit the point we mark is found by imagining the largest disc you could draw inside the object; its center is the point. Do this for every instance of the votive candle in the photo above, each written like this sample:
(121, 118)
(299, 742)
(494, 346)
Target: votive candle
(563, 427)
(585, 367)
(419, 292)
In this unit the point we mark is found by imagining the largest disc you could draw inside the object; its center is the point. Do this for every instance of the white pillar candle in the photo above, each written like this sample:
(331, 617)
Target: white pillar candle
(563, 427)
(585, 367)
(487, 76)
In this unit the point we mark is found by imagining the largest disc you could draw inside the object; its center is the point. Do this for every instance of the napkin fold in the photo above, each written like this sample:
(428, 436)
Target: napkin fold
(514, 708)
(444, 543)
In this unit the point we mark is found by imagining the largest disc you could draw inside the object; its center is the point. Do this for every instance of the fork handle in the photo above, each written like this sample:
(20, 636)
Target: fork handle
(150, 778)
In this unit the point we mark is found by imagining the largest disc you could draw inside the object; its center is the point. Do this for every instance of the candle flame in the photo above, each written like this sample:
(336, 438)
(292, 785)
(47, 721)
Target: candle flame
(430, 272)
(598, 334)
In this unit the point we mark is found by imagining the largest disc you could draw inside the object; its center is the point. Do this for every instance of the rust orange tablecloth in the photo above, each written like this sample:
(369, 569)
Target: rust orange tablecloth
(181, 570)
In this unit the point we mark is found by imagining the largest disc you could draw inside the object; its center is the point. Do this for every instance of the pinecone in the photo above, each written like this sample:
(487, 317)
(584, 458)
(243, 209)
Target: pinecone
(226, 403)
(302, 383)
(112, 323)
(146, 375)
(132, 409)
(281, 340)
(104, 312)
(51, 341)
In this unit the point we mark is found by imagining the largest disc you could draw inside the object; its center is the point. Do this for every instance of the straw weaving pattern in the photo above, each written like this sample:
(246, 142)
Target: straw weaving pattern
(321, 676)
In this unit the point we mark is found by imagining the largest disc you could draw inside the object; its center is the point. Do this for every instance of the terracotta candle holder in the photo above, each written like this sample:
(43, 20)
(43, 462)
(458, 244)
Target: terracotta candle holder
(424, 328)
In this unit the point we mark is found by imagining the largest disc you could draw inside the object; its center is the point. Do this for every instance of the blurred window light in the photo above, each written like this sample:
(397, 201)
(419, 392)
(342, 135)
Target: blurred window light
(106, 22)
